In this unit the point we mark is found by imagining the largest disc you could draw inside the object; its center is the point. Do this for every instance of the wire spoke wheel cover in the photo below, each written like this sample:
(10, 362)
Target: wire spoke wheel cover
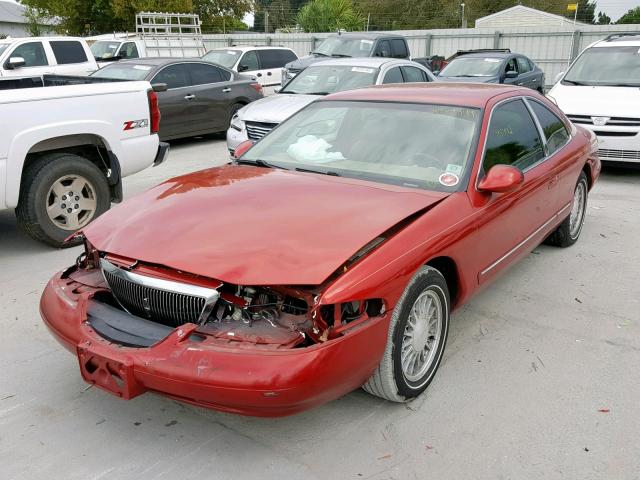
(421, 335)
(71, 202)
(578, 210)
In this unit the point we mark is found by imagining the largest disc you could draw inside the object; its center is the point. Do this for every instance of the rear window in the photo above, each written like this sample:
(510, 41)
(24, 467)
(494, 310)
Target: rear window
(399, 48)
(554, 130)
(121, 71)
(68, 52)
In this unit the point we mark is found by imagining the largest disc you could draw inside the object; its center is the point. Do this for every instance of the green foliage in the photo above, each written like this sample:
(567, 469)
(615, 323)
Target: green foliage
(603, 19)
(36, 18)
(329, 16)
(632, 16)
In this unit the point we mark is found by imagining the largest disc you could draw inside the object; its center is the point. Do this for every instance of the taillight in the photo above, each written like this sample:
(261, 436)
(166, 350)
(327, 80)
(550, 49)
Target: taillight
(258, 87)
(154, 111)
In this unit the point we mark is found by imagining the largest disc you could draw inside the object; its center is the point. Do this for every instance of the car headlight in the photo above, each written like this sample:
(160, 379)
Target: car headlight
(236, 123)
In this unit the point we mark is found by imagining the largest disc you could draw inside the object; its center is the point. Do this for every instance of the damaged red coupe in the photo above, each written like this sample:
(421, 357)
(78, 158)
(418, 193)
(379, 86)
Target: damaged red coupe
(329, 256)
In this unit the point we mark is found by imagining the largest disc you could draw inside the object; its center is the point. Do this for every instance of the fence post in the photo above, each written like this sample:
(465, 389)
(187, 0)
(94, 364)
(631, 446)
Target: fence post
(575, 44)
(427, 45)
(268, 41)
(313, 43)
(230, 42)
(496, 39)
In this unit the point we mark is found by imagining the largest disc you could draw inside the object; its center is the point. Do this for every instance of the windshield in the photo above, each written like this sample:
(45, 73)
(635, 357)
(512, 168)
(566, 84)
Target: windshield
(122, 71)
(104, 49)
(472, 67)
(368, 140)
(3, 47)
(345, 47)
(226, 58)
(615, 66)
(322, 80)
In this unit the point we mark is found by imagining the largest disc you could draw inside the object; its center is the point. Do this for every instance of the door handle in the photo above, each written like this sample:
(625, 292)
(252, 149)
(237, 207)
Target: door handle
(269, 73)
(259, 75)
(226, 90)
(189, 96)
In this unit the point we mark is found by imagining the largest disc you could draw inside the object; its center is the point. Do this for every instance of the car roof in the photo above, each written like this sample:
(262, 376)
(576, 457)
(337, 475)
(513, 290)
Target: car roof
(367, 35)
(161, 61)
(485, 55)
(247, 48)
(459, 94)
(620, 41)
(31, 39)
(371, 62)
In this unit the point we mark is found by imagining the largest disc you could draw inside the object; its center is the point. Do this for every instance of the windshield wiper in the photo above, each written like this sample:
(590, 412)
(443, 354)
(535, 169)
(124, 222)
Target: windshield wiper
(259, 162)
(340, 55)
(573, 82)
(320, 53)
(326, 172)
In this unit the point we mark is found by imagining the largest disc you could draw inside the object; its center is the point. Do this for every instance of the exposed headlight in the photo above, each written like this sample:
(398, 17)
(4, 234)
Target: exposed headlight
(236, 123)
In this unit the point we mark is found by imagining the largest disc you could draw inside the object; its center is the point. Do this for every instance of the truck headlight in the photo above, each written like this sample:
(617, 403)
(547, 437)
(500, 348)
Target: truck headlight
(236, 123)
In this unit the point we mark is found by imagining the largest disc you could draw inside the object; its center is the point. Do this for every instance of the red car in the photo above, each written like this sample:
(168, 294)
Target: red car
(329, 256)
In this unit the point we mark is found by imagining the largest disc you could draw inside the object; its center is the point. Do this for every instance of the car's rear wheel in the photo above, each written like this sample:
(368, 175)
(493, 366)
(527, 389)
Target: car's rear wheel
(569, 230)
(416, 340)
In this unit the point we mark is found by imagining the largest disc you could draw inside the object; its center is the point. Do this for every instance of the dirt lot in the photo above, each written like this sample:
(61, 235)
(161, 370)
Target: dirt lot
(540, 379)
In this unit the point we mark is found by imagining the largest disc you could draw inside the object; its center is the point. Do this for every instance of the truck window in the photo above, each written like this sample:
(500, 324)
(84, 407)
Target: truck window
(248, 62)
(68, 52)
(33, 54)
(399, 48)
(383, 49)
(129, 50)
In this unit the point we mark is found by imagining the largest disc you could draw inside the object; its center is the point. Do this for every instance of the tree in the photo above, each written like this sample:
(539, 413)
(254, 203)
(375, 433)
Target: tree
(36, 18)
(586, 12)
(632, 16)
(603, 19)
(330, 15)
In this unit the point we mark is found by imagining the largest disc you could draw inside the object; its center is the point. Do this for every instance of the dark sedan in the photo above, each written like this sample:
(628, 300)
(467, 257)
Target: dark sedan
(494, 67)
(200, 98)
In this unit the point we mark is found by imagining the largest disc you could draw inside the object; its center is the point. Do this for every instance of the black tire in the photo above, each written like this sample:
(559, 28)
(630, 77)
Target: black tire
(389, 380)
(563, 236)
(37, 180)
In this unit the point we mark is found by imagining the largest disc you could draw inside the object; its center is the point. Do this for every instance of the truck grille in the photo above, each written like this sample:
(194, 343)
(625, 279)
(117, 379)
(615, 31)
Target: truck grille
(619, 154)
(162, 301)
(613, 121)
(257, 130)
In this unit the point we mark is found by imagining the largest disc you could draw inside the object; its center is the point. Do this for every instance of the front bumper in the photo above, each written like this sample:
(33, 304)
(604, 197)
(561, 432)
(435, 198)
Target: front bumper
(194, 369)
(235, 138)
(163, 152)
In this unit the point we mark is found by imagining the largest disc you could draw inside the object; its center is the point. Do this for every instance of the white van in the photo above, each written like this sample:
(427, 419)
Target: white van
(35, 56)
(601, 91)
(264, 63)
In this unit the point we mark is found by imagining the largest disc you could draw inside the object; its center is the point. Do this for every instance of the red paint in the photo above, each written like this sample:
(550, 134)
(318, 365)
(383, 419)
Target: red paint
(256, 226)
(501, 179)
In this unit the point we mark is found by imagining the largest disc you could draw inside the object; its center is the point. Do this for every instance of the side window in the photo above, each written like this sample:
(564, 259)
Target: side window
(383, 49)
(532, 65)
(287, 56)
(129, 50)
(554, 130)
(413, 74)
(511, 66)
(33, 54)
(393, 76)
(523, 65)
(175, 76)
(512, 138)
(399, 48)
(68, 52)
(202, 74)
(273, 58)
(249, 62)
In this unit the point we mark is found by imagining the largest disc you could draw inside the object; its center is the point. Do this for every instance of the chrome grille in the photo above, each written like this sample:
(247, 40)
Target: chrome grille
(619, 154)
(163, 301)
(613, 121)
(257, 130)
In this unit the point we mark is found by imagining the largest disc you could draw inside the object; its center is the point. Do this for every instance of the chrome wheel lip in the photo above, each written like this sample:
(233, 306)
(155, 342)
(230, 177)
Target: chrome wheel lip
(71, 202)
(421, 336)
(578, 210)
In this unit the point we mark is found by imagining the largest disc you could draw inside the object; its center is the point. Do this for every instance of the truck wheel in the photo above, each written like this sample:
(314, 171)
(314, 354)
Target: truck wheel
(60, 193)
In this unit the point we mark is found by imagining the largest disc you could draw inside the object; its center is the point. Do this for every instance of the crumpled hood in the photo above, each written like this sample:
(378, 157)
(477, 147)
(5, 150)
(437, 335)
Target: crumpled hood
(275, 108)
(255, 226)
(303, 62)
(597, 101)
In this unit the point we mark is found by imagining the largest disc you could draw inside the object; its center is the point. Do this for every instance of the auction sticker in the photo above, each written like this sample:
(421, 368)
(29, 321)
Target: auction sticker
(448, 179)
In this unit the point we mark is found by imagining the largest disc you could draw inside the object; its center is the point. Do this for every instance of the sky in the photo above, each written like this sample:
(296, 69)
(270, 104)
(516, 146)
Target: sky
(614, 8)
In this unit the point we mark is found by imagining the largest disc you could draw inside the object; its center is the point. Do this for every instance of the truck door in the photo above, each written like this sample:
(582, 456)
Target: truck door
(36, 61)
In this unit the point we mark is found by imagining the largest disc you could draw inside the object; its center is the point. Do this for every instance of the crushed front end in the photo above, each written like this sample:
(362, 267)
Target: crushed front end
(266, 350)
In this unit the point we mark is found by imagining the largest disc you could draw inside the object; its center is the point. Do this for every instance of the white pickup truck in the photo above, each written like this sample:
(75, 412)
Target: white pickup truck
(65, 144)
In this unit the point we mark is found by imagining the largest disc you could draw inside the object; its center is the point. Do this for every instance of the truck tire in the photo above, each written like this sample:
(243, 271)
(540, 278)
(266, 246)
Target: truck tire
(49, 210)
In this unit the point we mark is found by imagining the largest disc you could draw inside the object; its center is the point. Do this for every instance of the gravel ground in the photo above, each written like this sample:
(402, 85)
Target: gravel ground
(540, 379)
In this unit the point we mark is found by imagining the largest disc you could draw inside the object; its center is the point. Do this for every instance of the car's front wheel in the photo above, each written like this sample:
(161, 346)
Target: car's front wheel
(569, 230)
(417, 336)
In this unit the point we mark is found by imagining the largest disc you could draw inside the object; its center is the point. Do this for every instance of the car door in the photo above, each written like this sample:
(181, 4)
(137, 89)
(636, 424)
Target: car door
(36, 60)
(271, 62)
(250, 65)
(211, 97)
(70, 58)
(527, 78)
(511, 224)
(174, 102)
(511, 65)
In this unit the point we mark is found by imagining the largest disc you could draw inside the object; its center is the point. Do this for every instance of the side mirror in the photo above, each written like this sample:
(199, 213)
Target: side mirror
(511, 74)
(277, 89)
(501, 179)
(242, 148)
(243, 68)
(15, 62)
(159, 87)
(558, 77)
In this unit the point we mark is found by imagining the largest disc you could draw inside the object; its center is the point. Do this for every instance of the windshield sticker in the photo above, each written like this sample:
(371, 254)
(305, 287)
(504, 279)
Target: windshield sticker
(448, 179)
(455, 169)
(362, 70)
(142, 67)
(366, 42)
(492, 60)
(230, 52)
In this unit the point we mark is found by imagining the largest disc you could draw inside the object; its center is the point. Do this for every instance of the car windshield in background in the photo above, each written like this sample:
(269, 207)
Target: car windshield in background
(472, 67)
(322, 80)
(614, 66)
(345, 47)
(103, 49)
(365, 140)
(123, 71)
(226, 58)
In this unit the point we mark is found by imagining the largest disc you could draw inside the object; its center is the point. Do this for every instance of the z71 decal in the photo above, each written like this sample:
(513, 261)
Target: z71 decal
(131, 124)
